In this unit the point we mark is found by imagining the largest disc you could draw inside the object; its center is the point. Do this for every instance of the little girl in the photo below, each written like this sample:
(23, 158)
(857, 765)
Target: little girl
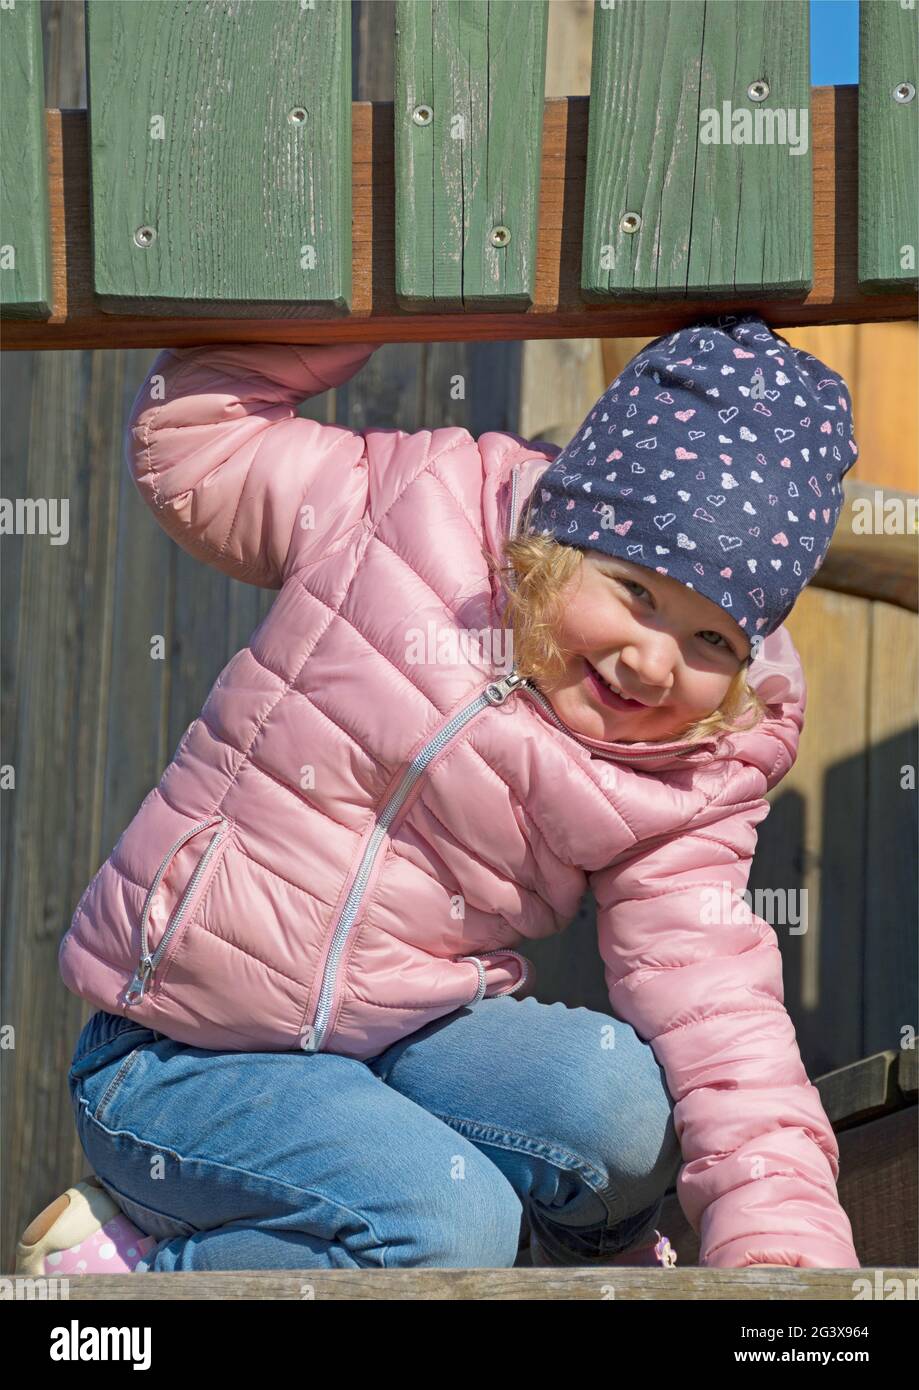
(327, 887)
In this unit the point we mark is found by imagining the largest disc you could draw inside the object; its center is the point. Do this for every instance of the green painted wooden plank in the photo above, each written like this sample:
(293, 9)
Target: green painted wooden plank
(25, 236)
(888, 144)
(225, 130)
(719, 182)
(469, 95)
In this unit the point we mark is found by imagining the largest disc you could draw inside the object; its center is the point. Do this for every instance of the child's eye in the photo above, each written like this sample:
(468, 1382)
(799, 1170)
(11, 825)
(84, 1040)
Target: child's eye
(721, 638)
(634, 583)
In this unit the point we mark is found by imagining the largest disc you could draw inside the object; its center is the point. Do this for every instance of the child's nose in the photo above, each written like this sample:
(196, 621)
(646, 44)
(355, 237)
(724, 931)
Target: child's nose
(650, 664)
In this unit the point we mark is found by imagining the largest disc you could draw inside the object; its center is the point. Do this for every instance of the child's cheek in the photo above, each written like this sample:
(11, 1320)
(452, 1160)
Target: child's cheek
(589, 622)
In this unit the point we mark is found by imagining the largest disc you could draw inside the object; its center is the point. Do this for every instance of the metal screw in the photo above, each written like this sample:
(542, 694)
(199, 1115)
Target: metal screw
(758, 90)
(630, 222)
(297, 116)
(145, 236)
(422, 115)
(500, 236)
(903, 92)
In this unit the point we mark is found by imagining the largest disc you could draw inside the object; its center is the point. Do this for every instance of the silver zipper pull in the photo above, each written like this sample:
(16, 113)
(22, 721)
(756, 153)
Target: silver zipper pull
(498, 691)
(139, 982)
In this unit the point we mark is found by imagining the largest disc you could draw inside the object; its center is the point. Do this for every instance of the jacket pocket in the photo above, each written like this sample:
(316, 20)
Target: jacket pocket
(215, 833)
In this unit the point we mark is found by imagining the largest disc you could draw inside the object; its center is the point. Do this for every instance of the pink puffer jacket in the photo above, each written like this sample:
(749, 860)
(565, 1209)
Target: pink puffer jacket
(368, 816)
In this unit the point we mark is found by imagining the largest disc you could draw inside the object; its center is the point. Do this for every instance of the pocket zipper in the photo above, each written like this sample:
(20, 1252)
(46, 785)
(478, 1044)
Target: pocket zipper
(148, 963)
(499, 951)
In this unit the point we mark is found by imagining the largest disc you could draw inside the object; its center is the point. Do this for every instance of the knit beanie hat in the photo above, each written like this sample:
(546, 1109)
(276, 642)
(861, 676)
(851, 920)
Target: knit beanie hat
(717, 457)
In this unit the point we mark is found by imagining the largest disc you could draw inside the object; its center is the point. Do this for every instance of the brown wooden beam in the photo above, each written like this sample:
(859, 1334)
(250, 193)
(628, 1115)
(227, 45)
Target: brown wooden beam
(558, 311)
(874, 563)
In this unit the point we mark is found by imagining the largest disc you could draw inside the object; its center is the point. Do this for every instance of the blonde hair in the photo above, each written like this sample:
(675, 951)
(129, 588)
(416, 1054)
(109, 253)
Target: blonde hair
(542, 568)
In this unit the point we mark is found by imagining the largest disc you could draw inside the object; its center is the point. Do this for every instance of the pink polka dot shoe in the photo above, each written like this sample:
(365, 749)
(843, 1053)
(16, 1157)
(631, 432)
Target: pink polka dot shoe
(81, 1232)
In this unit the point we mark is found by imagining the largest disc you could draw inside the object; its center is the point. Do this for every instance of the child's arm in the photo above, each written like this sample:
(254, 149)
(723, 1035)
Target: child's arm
(229, 469)
(758, 1183)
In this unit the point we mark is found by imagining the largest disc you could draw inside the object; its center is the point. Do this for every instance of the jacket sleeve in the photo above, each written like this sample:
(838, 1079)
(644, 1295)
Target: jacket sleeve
(698, 975)
(231, 472)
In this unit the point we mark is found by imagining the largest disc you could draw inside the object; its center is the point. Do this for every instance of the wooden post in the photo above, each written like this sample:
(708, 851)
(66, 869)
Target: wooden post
(25, 242)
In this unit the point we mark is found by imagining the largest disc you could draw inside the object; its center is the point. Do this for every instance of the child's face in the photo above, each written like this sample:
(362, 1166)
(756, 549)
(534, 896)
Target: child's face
(654, 639)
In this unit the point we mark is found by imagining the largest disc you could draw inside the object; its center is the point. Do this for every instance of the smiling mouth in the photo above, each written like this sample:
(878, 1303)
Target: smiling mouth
(604, 692)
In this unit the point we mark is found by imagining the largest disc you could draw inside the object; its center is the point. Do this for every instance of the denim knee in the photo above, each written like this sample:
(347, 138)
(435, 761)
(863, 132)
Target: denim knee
(619, 1113)
(482, 1231)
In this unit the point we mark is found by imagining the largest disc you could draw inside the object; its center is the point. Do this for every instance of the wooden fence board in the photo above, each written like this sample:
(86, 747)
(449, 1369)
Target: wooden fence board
(816, 832)
(25, 233)
(888, 145)
(430, 384)
(558, 310)
(56, 743)
(874, 550)
(220, 144)
(137, 678)
(49, 444)
(720, 181)
(891, 964)
(470, 78)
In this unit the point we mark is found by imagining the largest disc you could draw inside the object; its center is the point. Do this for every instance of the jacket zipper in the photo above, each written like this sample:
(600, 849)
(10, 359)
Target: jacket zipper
(148, 963)
(495, 693)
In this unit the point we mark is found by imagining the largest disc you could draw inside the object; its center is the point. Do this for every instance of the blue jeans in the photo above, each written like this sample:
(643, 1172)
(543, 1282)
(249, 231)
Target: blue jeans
(428, 1155)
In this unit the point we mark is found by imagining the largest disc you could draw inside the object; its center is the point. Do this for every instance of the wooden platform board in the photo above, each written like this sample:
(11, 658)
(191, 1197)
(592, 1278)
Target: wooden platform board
(744, 1285)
